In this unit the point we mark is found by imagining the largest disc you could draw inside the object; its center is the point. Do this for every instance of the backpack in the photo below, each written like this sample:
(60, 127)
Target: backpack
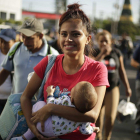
(12, 53)
(12, 120)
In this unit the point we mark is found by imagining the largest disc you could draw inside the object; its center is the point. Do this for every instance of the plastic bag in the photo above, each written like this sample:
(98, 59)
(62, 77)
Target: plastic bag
(126, 111)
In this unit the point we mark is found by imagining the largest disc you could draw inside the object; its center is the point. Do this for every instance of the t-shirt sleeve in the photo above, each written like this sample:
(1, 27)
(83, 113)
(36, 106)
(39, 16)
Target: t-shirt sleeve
(118, 52)
(41, 67)
(101, 78)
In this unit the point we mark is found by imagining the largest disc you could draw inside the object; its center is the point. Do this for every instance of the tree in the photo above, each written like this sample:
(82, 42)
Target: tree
(129, 27)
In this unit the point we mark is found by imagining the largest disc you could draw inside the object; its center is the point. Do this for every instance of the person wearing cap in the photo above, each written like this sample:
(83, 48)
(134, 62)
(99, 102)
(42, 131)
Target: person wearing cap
(33, 49)
(7, 39)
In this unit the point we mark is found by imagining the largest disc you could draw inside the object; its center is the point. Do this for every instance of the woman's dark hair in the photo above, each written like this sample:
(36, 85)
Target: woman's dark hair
(74, 12)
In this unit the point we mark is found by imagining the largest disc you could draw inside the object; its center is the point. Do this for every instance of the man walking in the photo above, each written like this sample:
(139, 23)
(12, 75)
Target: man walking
(23, 57)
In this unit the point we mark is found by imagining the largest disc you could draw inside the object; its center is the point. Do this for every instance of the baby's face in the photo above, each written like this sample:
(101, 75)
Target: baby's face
(72, 94)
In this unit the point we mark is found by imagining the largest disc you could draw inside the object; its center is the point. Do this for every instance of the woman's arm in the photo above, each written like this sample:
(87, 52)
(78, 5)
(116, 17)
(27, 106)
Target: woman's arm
(26, 105)
(104, 51)
(124, 78)
(135, 64)
(69, 112)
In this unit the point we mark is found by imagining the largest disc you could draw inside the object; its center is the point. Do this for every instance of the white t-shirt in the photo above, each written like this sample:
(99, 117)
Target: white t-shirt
(5, 88)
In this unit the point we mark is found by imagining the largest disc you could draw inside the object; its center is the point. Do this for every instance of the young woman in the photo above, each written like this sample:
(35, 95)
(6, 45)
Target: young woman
(113, 60)
(69, 69)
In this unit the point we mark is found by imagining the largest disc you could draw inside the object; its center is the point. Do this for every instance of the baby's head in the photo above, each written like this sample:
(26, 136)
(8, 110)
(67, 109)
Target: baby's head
(83, 96)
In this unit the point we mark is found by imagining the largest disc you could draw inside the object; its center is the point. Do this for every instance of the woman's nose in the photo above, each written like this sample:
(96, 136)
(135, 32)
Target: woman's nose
(68, 38)
(104, 43)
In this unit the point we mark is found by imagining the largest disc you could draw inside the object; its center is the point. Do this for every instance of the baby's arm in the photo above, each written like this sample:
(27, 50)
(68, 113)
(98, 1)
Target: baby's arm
(87, 129)
(50, 98)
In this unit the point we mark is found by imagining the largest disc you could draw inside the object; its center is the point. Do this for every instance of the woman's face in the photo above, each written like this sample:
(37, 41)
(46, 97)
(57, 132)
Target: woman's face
(73, 37)
(104, 41)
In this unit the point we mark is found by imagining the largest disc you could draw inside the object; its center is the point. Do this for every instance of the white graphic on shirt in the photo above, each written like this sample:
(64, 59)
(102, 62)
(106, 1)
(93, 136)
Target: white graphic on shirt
(110, 64)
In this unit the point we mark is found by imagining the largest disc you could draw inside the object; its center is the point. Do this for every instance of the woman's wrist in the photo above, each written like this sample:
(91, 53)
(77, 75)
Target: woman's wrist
(49, 108)
(49, 96)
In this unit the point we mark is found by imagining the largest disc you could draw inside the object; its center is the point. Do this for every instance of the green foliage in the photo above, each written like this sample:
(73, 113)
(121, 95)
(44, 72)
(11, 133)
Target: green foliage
(1, 21)
(18, 22)
(11, 21)
(130, 28)
(97, 23)
(107, 24)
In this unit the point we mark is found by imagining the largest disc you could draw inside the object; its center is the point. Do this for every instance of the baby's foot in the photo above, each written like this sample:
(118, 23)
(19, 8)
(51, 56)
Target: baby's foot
(17, 138)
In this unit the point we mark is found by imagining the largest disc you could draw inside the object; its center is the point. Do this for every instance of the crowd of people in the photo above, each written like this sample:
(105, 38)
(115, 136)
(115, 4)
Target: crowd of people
(88, 78)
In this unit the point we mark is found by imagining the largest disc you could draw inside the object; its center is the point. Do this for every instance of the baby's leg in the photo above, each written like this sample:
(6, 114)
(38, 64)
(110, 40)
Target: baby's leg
(48, 123)
(29, 135)
(26, 136)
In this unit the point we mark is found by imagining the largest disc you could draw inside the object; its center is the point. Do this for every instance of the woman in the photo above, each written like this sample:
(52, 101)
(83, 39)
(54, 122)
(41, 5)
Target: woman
(113, 60)
(69, 69)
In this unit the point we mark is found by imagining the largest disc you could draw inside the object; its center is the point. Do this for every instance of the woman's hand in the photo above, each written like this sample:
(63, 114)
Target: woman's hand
(128, 92)
(33, 128)
(105, 50)
(41, 116)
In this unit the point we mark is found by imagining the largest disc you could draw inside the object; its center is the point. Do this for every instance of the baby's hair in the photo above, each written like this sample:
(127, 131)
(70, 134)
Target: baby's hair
(85, 97)
(103, 33)
(74, 12)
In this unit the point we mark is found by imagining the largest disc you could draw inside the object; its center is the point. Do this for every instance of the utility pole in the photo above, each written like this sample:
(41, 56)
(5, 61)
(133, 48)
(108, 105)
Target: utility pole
(101, 19)
(117, 19)
(60, 8)
(114, 27)
(30, 6)
(94, 12)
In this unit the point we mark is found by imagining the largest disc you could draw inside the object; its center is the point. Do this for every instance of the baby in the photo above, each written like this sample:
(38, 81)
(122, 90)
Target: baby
(83, 98)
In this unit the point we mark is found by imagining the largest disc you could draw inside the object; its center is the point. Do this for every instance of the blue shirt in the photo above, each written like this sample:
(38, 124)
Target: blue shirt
(23, 63)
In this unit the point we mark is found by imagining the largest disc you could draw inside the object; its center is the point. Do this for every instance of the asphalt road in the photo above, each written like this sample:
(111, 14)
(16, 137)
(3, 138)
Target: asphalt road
(125, 131)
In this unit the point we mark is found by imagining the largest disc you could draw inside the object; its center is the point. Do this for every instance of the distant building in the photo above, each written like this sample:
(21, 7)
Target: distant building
(40, 15)
(11, 9)
(126, 14)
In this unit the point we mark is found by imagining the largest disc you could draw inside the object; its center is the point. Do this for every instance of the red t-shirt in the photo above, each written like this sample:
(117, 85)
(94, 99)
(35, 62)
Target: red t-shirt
(92, 71)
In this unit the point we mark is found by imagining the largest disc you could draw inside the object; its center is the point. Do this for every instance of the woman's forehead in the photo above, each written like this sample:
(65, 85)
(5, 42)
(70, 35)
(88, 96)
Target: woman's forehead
(105, 36)
(73, 24)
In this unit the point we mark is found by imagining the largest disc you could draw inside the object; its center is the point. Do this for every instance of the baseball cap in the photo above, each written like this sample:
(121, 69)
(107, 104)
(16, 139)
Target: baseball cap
(8, 34)
(31, 26)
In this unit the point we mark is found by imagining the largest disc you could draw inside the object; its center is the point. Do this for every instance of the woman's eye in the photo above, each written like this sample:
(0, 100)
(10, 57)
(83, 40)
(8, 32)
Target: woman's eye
(76, 34)
(63, 34)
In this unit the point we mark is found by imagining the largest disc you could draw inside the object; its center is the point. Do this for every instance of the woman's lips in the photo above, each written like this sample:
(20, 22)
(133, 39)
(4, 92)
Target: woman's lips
(69, 46)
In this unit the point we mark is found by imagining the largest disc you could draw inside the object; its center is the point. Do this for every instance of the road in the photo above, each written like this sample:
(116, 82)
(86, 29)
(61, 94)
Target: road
(125, 131)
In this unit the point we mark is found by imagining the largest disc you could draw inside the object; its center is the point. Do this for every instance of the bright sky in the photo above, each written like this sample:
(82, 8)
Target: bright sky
(93, 8)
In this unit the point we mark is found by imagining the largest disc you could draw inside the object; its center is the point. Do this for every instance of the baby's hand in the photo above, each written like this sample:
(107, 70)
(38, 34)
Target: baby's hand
(50, 90)
(96, 129)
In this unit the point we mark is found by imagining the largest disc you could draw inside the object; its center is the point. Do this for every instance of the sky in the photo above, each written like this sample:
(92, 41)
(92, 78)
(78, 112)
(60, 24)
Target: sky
(93, 8)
